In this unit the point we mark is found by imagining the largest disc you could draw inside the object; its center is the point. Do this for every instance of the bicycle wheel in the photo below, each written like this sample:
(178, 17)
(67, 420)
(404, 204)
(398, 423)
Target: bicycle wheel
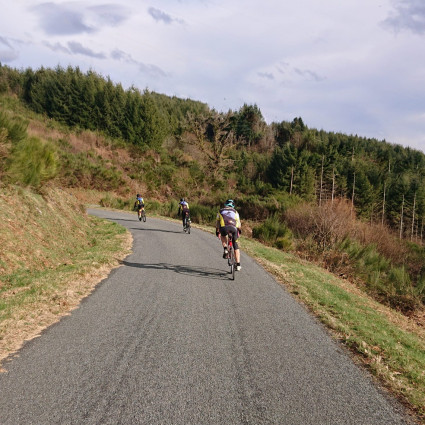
(232, 263)
(188, 226)
(144, 216)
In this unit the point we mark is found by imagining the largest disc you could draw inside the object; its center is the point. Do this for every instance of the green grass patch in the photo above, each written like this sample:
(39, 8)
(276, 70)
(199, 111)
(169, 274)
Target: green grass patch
(53, 255)
(24, 286)
(394, 354)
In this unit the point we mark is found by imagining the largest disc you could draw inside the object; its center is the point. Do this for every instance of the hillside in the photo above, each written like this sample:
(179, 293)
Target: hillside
(354, 205)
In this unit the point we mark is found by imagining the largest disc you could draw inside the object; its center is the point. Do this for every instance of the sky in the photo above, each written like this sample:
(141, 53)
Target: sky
(349, 66)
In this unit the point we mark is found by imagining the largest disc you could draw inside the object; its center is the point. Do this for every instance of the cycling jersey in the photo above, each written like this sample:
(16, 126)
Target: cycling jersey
(228, 217)
(139, 203)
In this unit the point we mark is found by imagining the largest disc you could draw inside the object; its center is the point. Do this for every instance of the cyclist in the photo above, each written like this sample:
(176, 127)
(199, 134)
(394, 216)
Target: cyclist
(228, 221)
(139, 205)
(184, 209)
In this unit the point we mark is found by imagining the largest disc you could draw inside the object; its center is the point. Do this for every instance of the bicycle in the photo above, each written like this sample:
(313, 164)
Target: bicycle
(231, 260)
(186, 227)
(141, 214)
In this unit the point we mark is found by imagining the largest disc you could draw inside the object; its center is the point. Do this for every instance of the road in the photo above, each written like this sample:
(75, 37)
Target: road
(168, 338)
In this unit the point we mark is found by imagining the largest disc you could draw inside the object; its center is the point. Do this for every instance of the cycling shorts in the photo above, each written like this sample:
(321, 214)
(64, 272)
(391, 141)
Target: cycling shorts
(233, 230)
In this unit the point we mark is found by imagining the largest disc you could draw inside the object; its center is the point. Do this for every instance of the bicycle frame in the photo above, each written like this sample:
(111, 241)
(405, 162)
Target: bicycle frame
(186, 221)
(231, 256)
(141, 214)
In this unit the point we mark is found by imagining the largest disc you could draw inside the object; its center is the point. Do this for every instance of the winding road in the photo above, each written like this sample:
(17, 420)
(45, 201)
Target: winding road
(168, 338)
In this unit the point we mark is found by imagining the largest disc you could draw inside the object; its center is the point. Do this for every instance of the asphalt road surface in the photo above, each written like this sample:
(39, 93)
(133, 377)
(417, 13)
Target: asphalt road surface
(168, 338)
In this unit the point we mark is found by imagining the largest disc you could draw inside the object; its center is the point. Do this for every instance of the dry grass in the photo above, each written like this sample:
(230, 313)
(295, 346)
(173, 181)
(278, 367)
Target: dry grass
(90, 143)
(49, 261)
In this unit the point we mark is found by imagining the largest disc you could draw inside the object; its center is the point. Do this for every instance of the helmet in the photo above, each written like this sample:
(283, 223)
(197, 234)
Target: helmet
(229, 203)
(181, 199)
(137, 196)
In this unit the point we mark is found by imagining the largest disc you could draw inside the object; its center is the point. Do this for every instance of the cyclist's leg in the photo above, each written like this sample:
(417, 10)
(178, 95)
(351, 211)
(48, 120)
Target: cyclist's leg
(237, 250)
(223, 238)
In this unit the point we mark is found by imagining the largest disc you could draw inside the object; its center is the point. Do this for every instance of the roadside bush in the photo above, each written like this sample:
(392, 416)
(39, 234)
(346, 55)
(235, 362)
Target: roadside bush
(152, 206)
(170, 209)
(85, 171)
(114, 202)
(203, 214)
(384, 240)
(32, 162)
(16, 129)
(275, 232)
(328, 224)
(391, 284)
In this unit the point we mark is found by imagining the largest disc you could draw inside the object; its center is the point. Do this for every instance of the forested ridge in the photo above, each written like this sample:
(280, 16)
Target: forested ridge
(299, 188)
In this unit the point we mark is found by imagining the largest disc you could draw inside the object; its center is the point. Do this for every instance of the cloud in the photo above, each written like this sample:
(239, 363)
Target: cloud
(152, 70)
(159, 15)
(267, 75)
(110, 14)
(78, 48)
(119, 55)
(10, 54)
(5, 41)
(309, 74)
(57, 47)
(409, 15)
(66, 19)
(58, 19)
(149, 69)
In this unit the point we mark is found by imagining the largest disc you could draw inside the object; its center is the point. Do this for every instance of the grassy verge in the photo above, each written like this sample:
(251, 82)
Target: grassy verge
(52, 256)
(68, 256)
(391, 346)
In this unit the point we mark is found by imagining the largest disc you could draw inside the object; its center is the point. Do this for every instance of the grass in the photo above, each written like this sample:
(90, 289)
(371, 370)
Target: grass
(32, 297)
(392, 347)
(53, 255)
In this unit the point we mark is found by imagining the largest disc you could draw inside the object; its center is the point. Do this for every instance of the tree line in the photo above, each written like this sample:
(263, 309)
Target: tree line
(384, 182)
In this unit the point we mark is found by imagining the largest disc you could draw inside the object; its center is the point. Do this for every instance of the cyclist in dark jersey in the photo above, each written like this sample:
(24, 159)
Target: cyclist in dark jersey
(228, 221)
(139, 205)
(184, 209)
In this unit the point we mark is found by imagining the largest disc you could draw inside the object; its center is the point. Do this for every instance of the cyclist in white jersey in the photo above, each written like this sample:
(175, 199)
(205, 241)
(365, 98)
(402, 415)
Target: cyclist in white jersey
(228, 221)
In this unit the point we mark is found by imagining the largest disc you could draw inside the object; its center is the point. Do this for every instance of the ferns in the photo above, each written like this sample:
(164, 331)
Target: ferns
(32, 162)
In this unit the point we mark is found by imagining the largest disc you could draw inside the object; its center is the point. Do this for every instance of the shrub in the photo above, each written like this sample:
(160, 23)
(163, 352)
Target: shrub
(420, 288)
(113, 202)
(390, 284)
(32, 162)
(329, 224)
(152, 206)
(385, 241)
(170, 209)
(16, 129)
(203, 214)
(399, 281)
(273, 231)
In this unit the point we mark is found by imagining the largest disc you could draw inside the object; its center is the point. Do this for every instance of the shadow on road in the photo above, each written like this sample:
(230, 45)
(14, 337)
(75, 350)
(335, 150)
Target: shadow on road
(204, 272)
(146, 229)
(117, 219)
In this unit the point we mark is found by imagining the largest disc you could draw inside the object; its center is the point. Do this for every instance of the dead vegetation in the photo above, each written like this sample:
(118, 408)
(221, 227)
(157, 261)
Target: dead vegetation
(51, 256)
